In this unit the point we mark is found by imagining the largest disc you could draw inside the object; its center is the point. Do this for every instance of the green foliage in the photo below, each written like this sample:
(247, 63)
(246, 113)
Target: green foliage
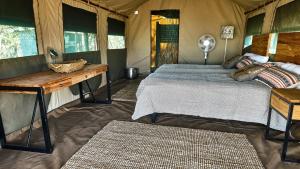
(17, 41)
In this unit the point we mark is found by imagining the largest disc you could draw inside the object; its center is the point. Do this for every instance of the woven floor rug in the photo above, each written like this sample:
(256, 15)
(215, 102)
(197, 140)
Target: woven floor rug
(136, 145)
(127, 93)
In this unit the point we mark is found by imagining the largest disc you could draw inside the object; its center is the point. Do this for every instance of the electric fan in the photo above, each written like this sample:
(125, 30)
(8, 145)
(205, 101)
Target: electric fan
(206, 43)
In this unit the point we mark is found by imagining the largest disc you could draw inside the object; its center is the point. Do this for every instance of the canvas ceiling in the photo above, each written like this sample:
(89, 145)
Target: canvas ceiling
(128, 6)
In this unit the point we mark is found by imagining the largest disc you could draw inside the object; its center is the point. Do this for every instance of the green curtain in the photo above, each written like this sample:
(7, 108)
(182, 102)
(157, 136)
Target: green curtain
(17, 13)
(287, 18)
(255, 24)
(79, 20)
(116, 27)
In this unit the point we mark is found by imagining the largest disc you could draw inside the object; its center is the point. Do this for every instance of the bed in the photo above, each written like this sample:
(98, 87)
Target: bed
(208, 91)
(209, 95)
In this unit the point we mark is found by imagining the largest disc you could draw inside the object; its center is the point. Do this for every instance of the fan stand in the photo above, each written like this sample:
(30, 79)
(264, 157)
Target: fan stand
(205, 58)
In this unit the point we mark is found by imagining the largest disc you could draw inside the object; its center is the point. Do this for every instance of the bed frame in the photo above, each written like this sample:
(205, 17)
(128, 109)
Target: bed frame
(260, 44)
(288, 48)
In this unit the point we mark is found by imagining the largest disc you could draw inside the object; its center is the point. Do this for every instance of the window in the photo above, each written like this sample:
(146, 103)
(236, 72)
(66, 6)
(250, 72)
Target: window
(116, 42)
(116, 34)
(17, 29)
(16, 41)
(255, 25)
(273, 43)
(248, 41)
(80, 34)
(287, 18)
(79, 42)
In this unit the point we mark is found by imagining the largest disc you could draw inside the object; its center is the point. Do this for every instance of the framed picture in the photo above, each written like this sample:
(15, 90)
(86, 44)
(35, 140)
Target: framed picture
(227, 32)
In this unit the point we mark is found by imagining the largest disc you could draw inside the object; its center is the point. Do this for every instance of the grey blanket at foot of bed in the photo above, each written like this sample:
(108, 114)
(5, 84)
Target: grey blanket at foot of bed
(213, 95)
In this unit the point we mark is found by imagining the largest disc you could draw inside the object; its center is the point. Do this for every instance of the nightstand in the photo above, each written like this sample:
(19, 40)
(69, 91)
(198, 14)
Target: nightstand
(286, 102)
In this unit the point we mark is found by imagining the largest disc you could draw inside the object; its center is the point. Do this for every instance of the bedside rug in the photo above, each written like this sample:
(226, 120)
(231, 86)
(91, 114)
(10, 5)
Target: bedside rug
(127, 93)
(137, 145)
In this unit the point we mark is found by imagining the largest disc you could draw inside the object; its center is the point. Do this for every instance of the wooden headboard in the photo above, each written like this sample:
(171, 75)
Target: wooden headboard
(288, 48)
(260, 44)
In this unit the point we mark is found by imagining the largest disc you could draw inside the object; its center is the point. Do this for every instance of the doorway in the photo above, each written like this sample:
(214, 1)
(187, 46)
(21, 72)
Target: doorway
(164, 37)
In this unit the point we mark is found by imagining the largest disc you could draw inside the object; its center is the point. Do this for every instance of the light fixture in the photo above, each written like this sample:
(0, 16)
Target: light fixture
(136, 12)
(53, 54)
(227, 32)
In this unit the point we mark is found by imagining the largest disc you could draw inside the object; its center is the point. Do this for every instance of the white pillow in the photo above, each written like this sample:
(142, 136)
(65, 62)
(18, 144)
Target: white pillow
(257, 58)
(291, 67)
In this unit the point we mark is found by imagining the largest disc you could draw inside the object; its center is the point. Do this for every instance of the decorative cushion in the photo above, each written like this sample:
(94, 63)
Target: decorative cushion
(276, 77)
(244, 62)
(257, 58)
(268, 65)
(247, 73)
(230, 63)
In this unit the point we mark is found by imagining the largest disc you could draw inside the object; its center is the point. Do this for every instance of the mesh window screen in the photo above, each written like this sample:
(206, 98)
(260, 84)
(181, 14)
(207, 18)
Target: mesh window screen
(116, 34)
(287, 18)
(255, 24)
(17, 29)
(80, 29)
(169, 33)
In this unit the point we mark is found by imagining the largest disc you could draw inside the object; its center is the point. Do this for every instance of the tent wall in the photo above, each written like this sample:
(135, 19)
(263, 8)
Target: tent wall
(49, 29)
(196, 18)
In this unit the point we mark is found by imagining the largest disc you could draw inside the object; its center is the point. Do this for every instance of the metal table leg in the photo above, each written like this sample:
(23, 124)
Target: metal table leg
(108, 90)
(43, 111)
(268, 123)
(287, 132)
(48, 146)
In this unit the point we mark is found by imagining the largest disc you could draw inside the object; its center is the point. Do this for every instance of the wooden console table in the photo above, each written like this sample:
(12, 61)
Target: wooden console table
(47, 82)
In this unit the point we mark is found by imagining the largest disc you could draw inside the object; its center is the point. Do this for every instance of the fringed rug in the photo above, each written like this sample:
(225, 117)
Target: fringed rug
(127, 93)
(135, 145)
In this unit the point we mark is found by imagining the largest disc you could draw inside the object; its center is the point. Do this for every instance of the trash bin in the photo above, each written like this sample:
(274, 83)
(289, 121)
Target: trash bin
(132, 72)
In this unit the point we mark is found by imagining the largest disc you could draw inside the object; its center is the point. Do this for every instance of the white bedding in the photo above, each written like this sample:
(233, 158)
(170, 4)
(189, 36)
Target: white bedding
(211, 95)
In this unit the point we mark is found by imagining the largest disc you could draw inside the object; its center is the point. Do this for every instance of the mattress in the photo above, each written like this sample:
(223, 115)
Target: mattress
(210, 95)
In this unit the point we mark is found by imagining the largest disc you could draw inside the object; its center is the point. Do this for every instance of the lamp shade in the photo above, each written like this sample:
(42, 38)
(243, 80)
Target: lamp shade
(227, 32)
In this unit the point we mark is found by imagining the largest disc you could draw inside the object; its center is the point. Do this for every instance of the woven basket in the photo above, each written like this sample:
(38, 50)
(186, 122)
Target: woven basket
(68, 67)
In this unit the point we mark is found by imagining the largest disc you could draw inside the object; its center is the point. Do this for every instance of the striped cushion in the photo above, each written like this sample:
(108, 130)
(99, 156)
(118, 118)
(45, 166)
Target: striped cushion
(276, 77)
(268, 65)
(244, 62)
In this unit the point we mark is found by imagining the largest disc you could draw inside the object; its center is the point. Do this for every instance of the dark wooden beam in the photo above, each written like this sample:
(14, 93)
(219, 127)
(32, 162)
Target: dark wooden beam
(259, 7)
(104, 8)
